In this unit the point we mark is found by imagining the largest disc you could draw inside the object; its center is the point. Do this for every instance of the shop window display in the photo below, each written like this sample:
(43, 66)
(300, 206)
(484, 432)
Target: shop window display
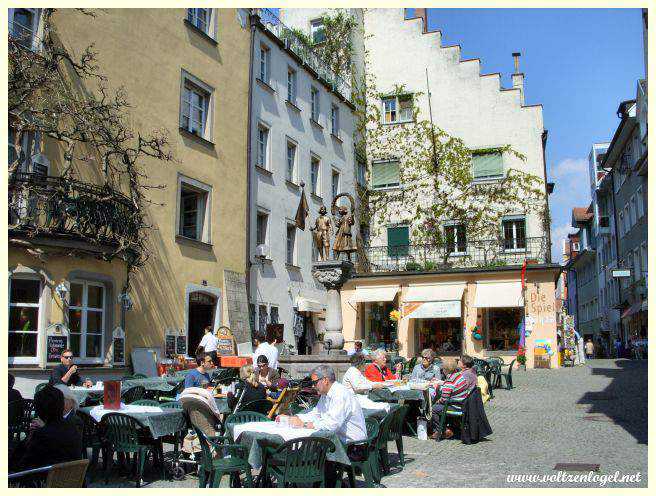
(502, 328)
(380, 330)
(441, 335)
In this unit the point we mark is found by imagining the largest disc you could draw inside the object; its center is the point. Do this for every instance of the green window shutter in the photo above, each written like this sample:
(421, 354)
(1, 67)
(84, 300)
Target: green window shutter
(398, 241)
(385, 174)
(487, 165)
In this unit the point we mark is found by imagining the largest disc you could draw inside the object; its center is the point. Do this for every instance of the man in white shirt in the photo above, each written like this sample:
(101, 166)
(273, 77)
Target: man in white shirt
(209, 344)
(267, 348)
(337, 411)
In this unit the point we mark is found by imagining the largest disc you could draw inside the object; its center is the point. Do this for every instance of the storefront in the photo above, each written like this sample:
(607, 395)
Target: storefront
(483, 313)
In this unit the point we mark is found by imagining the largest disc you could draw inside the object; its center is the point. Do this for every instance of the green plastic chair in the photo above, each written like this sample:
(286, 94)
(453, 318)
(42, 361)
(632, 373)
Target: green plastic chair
(451, 409)
(363, 454)
(146, 403)
(133, 394)
(140, 376)
(299, 462)
(170, 405)
(214, 462)
(122, 435)
(40, 386)
(242, 417)
(391, 429)
(260, 406)
(505, 375)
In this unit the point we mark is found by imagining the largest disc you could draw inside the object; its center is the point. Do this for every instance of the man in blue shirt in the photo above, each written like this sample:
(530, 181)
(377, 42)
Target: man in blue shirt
(200, 375)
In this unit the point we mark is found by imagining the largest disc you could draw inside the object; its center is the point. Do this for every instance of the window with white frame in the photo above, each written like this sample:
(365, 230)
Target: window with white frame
(290, 257)
(334, 183)
(265, 63)
(262, 156)
(290, 172)
(86, 318)
(196, 113)
(456, 237)
(317, 31)
(632, 211)
(204, 20)
(315, 171)
(640, 206)
(194, 202)
(334, 120)
(291, 85)
(23, 26)
(514, 233)
(397, 109)
(315, 104)
(262, 227)
(24, 304)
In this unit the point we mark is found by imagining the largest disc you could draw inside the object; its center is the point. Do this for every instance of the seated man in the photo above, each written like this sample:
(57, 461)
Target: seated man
(66, 372)
(378, 370)
(337, 411)
(15, 399)
(200, 376)
(57, 441)
(427, 369)
(455, 387)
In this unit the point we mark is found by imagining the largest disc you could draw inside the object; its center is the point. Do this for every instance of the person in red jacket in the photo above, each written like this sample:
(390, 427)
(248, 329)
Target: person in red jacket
(378, 371)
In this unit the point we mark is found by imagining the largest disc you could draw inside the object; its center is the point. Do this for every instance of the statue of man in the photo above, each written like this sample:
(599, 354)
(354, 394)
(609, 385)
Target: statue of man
(321, 234)
(344, 242)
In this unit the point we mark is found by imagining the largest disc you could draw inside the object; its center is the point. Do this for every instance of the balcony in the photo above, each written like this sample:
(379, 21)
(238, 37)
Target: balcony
(64, 212)
(303, 51)
(481, 254)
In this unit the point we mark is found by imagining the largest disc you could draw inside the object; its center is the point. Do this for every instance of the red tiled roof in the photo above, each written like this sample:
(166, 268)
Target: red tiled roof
(582, 214)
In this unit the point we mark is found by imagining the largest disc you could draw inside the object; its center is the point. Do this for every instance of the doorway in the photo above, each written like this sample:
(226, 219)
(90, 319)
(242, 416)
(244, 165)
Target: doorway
(202, 308)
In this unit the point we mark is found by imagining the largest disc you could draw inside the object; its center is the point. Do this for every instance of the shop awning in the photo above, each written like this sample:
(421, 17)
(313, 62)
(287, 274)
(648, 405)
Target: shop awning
(436, 310)
(434, 292)
(307, 305)
(499, 294)
(375, 293)
(635, 307)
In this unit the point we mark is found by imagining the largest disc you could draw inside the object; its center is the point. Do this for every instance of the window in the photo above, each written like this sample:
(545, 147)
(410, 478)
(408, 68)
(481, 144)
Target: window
(24, 298)
(632, 210)
(194, 210)
(291, 85)
(640, 206)
(362, 173)
(456, 240)
(487, 165)
(335, 183)
(30, 145)
(263, 317)
(23, 25)
(314, 176)
(262, 228)
(291, 243)
(204, 20)
(265, 64)
(514, 234)
(262, 147)
(195, 107)
(637, 272)
(622, 224)
(398, 241)
(385, 175)
(317, 31)
(397, 109)
(334, 120)
(291, 161)
(273, 314)
(314, 99)
(86, 318)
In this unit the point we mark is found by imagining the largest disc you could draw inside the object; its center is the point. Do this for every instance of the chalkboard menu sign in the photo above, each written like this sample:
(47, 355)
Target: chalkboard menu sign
(56, 344)
(170, 346)
(225, 345)
(181, 345)
(119, 350)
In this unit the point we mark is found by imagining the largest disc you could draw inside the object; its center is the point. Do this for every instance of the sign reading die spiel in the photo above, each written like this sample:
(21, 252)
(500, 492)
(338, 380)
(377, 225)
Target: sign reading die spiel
(226, 342)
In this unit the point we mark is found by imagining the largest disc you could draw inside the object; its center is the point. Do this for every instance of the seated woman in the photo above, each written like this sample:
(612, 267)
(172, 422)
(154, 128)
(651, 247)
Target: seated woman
(379, 371)
(360, 385)
(253, 390)
(265, 375)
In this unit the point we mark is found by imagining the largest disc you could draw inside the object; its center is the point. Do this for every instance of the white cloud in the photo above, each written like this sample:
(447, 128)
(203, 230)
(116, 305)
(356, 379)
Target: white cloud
(571, 167)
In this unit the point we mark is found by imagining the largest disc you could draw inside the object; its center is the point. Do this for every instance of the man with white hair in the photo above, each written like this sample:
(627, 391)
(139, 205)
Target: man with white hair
(71, 404)
(337, 411)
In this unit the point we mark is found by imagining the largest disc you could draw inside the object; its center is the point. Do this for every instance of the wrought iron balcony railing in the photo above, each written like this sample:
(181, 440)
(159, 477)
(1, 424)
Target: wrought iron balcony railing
(474, 254)
(62, 207)
(305, 52)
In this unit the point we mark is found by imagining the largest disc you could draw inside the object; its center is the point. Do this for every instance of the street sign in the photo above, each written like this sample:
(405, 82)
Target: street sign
(621, 273)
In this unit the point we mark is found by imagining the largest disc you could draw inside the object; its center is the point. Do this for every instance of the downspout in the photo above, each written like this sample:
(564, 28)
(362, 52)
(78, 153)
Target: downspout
(546, 193)
(252, 13)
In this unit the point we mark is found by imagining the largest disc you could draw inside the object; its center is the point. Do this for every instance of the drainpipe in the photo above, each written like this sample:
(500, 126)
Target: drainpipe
(252, 14)
(617, 245)
(545, 133)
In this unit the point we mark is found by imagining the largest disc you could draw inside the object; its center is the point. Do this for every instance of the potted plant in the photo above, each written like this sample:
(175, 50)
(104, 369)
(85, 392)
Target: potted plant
(521, 358)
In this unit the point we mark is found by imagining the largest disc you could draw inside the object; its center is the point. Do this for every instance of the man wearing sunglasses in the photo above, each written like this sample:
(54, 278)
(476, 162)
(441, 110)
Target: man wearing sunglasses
(66, 372)
(338, 410)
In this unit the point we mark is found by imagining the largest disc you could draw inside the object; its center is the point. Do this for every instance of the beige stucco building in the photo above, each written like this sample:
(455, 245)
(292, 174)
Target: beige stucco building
(185, 71)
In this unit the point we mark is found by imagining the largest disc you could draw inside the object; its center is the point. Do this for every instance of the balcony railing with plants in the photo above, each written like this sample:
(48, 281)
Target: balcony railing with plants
(42, 205)
(489, 253)
(304, 51)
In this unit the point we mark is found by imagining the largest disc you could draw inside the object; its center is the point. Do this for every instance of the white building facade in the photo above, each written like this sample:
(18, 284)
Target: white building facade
(301, 138)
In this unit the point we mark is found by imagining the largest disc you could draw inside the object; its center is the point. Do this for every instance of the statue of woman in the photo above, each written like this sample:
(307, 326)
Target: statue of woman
(344, 241)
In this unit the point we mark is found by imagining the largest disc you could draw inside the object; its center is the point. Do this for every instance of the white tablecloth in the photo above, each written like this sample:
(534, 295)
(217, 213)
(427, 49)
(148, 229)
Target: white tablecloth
(368, 404)
(92, 389)
(97, 412)
(286, 432)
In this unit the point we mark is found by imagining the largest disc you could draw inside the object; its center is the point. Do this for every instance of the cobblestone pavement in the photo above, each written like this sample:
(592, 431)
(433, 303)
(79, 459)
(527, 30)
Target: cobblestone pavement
(595, 413)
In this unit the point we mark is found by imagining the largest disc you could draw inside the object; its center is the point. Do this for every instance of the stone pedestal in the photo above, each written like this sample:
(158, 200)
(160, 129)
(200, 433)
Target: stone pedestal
(333, 274)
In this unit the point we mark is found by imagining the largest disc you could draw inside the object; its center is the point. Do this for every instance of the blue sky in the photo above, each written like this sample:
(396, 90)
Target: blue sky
(578, 63)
